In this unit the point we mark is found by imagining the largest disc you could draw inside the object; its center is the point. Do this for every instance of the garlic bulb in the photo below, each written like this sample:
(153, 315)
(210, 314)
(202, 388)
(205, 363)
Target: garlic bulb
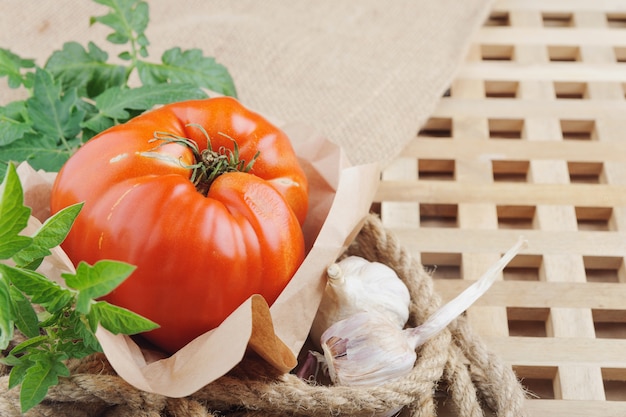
(366, 349)
(369, 349)
(357, 285)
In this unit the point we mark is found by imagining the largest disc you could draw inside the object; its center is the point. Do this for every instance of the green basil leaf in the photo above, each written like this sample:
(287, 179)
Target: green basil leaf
(38, 379)
(115, 102)
(24, 314)
(13, 215)
(50, 235)
(55, 113)
(40, 289)
(11, 66)
(18, 372)
(120, 320)
(6, 314)
(96, 281)
(85, 70)
(189, 66)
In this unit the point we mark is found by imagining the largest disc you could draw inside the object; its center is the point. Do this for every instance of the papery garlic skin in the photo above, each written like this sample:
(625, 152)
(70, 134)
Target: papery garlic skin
(366, 349)
(361, 286)
(369, 348)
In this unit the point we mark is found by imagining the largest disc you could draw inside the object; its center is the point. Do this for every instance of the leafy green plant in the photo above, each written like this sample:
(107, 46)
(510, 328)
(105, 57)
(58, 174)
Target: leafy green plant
(79, 92)
(58, 321)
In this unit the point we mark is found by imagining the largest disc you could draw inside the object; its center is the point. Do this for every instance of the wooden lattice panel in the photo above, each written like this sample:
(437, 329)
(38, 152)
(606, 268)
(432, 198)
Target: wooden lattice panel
(531, 140)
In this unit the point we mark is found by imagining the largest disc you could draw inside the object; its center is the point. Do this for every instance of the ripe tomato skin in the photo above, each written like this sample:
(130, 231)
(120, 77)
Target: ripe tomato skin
(198, 257)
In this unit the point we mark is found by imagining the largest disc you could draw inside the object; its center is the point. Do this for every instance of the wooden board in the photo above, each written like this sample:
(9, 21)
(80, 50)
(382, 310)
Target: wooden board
(531, 141)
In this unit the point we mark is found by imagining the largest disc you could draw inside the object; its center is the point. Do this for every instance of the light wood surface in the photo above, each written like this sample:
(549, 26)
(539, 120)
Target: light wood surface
(531, 141)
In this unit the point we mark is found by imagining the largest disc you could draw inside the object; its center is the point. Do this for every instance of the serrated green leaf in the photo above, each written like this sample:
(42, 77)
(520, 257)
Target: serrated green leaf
(13, 215)
(115, 102)
(40, 289)
(189, 66)
(39, 151)
(18, 372)
(11, 66)
(55, 113)
(6, 314)
(128, 19)
(13, 122)
(38, 379)
(120, 320)
(96, 124)
(50, 234)
(96, 281)
(24, 314)
(87, 71)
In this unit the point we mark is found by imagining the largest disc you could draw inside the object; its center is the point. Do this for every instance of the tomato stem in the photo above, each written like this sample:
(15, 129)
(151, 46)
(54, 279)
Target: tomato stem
(210, 163)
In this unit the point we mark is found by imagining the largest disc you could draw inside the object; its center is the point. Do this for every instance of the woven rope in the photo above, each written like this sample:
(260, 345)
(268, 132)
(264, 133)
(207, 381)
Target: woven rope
(455, 359)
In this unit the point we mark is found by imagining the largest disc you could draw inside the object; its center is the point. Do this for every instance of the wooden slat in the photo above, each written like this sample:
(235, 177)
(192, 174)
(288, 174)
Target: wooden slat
(443, 192)
(535, 295)
(510, 109)
(515, 150)
(559, 351)
(449, 240)
(550, 36)
(553, 71)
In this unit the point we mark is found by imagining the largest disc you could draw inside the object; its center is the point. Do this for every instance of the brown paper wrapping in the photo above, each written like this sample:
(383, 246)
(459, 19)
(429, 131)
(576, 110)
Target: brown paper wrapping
(340, 198)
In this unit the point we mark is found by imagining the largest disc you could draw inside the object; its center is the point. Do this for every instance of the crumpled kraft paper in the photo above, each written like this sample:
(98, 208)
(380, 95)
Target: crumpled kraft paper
(340, 198)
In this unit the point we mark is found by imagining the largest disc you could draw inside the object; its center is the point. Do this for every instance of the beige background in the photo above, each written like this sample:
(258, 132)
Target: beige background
(363, 73)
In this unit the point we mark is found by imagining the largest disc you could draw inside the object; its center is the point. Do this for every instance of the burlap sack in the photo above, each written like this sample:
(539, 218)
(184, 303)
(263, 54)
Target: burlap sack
(364, 73)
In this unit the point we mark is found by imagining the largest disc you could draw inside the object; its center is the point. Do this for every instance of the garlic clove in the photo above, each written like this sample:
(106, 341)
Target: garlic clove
(357, 285)
(366, 349)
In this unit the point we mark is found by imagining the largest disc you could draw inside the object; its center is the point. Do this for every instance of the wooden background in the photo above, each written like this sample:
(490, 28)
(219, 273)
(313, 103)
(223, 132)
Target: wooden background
(531, 140)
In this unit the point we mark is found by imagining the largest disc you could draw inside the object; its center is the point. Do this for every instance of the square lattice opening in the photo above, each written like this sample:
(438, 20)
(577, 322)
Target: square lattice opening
(439, 215)
(510, 171)
(436, 127)
(442, 265)
(527, 322)
(557, 20)
(523, 268)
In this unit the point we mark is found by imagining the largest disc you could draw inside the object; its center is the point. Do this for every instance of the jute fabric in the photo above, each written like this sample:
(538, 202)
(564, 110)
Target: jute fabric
(364, 73)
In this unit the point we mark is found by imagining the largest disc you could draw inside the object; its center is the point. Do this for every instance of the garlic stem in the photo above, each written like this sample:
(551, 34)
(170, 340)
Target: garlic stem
(454, 308)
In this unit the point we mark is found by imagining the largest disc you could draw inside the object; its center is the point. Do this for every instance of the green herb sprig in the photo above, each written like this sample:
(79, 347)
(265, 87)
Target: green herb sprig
(79, 92)
(59, 322)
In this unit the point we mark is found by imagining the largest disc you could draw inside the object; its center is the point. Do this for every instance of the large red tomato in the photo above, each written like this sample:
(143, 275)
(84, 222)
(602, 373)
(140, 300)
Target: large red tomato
(201, 245)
